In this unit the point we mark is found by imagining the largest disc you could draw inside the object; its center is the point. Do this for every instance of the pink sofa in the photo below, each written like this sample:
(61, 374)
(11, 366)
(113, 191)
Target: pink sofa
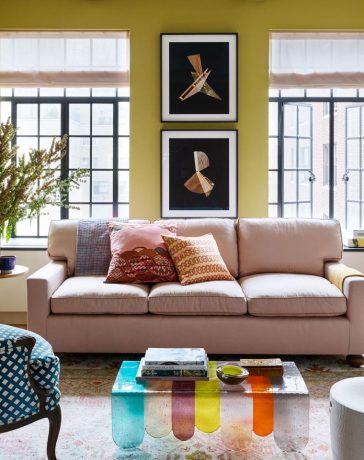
(280, 303)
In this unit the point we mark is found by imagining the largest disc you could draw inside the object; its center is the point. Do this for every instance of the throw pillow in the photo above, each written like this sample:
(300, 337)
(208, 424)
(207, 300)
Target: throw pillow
(197, 259)
(139, 255)
(93, 247)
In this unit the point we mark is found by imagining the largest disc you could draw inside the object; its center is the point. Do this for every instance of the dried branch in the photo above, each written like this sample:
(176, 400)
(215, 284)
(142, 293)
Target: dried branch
(27, 186)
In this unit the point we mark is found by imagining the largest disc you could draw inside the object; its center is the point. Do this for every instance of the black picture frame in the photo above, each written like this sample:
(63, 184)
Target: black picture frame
(199, 77)
(199, 173)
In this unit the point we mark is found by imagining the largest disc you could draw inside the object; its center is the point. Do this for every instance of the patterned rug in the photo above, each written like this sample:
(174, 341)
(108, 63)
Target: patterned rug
(86, 383)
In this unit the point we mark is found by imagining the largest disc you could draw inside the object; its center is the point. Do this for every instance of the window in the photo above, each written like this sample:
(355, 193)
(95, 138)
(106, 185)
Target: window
(316, 166)
(95, 119)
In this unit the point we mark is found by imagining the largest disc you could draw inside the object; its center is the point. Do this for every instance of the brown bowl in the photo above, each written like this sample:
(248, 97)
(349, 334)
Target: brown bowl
(232, 374)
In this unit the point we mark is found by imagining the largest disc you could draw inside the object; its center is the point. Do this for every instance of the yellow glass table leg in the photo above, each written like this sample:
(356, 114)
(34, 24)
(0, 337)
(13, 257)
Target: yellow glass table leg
(207, 402)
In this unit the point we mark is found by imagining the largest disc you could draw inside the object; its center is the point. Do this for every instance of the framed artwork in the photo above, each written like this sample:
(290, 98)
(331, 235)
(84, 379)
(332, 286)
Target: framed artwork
(199, 77)
(199, 173)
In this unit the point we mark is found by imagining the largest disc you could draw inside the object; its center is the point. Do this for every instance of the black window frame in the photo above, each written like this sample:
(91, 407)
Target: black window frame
(65, 102)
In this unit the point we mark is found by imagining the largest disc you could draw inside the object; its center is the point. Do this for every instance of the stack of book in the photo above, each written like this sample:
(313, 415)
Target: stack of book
(354, 239)
(271, 367)
(174, 364)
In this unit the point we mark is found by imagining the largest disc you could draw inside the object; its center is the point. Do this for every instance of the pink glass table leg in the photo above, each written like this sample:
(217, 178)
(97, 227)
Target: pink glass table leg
(183, 410)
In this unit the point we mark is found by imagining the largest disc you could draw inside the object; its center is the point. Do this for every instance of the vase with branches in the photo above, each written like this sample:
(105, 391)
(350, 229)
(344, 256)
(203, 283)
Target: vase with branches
(29, 184)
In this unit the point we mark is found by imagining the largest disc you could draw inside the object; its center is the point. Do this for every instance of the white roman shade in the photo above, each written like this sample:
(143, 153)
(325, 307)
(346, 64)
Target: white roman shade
(316, 60)
(64, 59)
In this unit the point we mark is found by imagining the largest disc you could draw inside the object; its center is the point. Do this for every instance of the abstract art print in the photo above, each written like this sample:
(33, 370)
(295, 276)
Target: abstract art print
(199, 77)
(199, 173)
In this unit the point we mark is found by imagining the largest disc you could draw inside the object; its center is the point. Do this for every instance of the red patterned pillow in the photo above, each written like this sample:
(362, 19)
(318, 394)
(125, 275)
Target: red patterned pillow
(139, 254)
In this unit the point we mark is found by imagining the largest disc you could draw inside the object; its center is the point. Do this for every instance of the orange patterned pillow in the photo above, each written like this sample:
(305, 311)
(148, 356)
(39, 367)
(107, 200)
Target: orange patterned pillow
(197, 259)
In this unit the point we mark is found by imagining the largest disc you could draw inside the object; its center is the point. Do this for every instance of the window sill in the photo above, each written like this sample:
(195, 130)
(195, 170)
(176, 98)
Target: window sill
(347, 249)
(25, 244)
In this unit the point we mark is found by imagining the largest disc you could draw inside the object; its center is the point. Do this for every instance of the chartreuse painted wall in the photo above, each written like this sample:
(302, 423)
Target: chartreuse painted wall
(252, 19)
(146, 19)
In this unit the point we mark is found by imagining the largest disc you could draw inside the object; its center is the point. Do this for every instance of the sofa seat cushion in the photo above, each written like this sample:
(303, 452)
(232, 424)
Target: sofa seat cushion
(207, 298)
(276, 294)
(90, 295)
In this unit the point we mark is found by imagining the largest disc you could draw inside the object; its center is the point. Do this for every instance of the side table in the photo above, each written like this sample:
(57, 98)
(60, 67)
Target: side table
(18, 270)
(347, 419)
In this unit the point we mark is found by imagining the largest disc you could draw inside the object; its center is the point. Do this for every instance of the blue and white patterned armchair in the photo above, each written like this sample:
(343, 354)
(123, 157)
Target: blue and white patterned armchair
(29, 375)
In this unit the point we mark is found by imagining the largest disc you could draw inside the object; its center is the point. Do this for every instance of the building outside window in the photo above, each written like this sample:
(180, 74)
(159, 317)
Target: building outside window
(91, 108)
(326, 165)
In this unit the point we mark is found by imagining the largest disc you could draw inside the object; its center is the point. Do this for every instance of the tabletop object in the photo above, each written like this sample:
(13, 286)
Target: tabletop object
(231, 374)
(18, 270)
(261, 404)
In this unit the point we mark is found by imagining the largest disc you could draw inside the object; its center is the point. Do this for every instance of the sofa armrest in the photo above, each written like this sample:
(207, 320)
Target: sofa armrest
(337, 273)
(40, 288)
(351, 282)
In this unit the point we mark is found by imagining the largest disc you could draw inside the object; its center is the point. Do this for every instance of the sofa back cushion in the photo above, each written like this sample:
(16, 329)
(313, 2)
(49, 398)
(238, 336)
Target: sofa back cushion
(223, 231)
(62, 241)
(287, 245)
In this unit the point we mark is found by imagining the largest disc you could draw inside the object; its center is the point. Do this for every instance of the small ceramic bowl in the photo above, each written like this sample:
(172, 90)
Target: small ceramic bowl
(7, 264)
(232, 374)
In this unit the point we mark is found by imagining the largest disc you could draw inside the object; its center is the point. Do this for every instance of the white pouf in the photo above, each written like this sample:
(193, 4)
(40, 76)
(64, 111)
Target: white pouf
(347, 419)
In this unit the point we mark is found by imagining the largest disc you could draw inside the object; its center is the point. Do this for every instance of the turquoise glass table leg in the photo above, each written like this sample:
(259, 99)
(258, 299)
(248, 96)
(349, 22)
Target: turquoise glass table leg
(128, 408)
(291, 421)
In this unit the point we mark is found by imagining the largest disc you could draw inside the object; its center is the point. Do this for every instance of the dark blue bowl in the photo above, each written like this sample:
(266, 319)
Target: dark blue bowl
(7, 263)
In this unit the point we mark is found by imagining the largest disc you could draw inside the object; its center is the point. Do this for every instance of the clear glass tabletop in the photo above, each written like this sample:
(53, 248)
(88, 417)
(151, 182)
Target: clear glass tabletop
(291, 383)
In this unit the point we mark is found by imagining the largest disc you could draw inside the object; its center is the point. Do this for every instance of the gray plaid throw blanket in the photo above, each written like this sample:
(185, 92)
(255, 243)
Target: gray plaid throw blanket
(93, 247)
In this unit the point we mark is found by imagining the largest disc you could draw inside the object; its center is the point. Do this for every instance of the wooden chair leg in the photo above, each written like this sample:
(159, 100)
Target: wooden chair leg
(54, 418)
(355, 360)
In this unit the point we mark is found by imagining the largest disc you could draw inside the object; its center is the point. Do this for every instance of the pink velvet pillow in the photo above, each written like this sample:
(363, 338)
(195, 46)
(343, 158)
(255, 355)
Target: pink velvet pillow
(139, 254)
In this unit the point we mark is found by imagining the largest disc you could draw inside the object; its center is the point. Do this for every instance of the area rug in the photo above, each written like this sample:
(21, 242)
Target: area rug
(86, 383)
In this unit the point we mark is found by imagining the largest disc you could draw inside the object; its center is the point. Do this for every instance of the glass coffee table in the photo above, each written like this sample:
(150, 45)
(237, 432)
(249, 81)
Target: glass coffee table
(263, 405)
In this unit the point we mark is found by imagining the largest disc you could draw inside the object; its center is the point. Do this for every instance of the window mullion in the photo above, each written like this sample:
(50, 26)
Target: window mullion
(297, 161)
(280, 157)
(346, 166)
(331, 160)
(65, 159)
(38, 146)
(311, 159)
(91, 162)
(360, 167)
(115, 159)
(14, 117)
